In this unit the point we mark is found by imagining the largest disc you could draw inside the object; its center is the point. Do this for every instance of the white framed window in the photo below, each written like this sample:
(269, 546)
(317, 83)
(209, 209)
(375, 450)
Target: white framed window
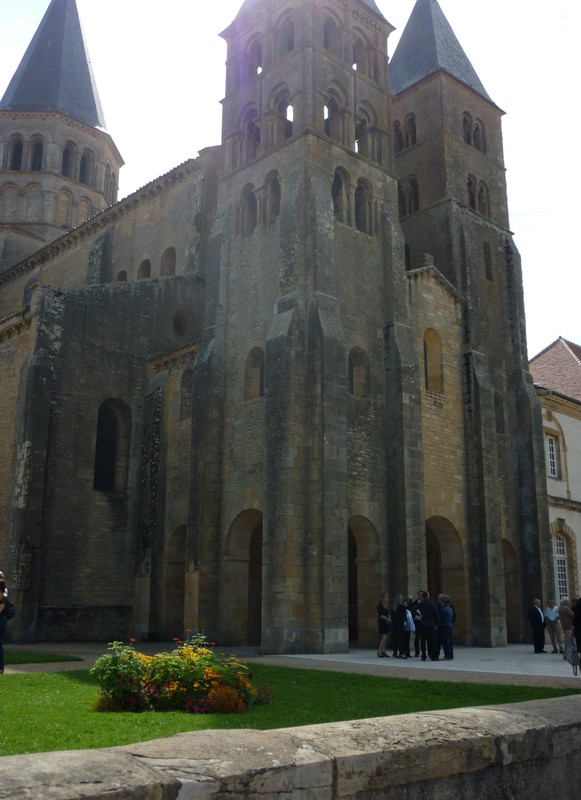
(553, 457)
(560, 561)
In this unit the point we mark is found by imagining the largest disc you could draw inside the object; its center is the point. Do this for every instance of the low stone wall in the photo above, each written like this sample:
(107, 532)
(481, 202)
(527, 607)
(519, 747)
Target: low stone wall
(526, 750)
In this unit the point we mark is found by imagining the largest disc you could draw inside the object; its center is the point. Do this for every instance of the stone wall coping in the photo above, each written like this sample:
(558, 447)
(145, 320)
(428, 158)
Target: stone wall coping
(432, 754)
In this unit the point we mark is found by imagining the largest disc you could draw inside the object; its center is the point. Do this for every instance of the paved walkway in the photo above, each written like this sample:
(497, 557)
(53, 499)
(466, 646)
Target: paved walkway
(515, 664)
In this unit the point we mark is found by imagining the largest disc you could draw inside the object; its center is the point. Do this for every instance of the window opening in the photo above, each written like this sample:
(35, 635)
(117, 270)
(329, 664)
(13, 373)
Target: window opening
(37, 153)
(16, 155)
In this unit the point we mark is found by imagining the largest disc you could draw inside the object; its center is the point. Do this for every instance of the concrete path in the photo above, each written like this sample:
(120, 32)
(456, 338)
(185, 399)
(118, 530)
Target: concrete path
(515, 664)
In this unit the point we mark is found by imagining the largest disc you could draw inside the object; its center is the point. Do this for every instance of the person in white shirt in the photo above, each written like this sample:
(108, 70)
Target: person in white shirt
(554, 626)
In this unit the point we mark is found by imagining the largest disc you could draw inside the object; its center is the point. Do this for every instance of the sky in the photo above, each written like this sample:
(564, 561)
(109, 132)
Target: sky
(159, 69)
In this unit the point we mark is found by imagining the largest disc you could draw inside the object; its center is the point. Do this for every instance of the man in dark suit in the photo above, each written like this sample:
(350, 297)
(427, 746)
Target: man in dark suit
(428, 624)
(537, 620)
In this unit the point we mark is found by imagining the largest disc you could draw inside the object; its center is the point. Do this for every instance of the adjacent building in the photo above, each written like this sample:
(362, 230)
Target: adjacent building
(556, 371)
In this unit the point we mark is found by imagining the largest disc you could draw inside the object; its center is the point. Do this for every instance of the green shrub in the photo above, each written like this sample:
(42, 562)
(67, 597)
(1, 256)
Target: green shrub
(191, 678)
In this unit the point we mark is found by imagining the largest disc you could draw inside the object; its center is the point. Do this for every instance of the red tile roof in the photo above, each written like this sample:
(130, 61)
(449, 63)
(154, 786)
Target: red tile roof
(558, 367)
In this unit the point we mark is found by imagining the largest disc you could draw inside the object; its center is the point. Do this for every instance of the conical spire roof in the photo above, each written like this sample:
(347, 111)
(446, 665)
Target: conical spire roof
(55, 73)
(428, 44)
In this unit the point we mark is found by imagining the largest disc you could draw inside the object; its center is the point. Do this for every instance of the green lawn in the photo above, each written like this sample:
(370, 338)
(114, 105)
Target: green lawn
(53, 711)
(12, 657)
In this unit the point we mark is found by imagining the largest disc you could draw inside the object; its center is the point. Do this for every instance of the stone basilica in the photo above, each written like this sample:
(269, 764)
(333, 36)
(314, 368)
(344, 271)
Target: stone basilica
(285, 376)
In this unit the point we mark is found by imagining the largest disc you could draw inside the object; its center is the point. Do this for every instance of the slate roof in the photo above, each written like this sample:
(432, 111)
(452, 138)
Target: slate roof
(428, 44)
(558, 368)
(247, 5)
(55, 72)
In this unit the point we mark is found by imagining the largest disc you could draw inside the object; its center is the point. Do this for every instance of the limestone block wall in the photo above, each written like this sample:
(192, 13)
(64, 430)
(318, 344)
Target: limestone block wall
(488, 753)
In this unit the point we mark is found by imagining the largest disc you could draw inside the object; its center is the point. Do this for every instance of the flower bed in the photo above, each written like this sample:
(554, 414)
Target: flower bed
(192, 678)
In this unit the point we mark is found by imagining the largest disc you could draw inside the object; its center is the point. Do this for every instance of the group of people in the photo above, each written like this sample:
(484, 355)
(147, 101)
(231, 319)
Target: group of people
(559, 622)
(432, 626)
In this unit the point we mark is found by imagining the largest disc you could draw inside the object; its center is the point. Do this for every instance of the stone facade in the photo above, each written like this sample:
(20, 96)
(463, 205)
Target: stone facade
(289, 373)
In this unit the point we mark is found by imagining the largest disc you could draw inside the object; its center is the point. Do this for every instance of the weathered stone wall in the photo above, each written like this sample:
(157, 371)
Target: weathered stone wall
(494, 752)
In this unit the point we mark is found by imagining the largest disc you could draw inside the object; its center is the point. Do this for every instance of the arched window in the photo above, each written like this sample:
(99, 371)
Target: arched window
(86, 168)
(168, 262)
(144, 270)
(478, 138)
(401, 201)
(254, 374)
(37, 154)
(487, 255)
(85, 210)
(358, 373)
(282, 117)
(364, 207)
(331, 36)
(112, 447)
(15, 151)
(63, 210)
(561, 562)
(271, 199)
(397, 137)
(340, 197)
(9, 203)
(414, 197)
(251, 136)
(471, 187)
(68, 161)
(410, 130)
(433, 364)
(121, 276)
(254, 60)
(333, 118)
(360, 56)
(467, 127)
(286, 36)
(483, 199)
(363, 136)
(186, 394)
(33, 199)
(248, 211)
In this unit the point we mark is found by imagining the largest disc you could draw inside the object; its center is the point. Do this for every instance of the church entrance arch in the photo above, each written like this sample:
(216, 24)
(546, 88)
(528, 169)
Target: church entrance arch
(445, 569)
(241, 585)
(174, 584)
(364, 581)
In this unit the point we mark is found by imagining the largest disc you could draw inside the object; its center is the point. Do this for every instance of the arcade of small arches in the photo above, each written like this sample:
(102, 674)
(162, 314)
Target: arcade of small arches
(241, 586)
(405, 135)
(77, 163)
(167, 268)
(358, 369)
(360, 132)
(264, 48)
(35, 204)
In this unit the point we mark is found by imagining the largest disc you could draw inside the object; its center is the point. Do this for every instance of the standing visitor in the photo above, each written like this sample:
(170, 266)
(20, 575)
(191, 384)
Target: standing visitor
(383, 625)
(446, 627)
(428, 624)
(538, 624)
(554, 626)
(3, 620)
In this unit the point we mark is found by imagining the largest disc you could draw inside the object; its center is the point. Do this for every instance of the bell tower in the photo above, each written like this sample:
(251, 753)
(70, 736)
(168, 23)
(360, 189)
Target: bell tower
(58, 166)
(307, 275)
(453, 206)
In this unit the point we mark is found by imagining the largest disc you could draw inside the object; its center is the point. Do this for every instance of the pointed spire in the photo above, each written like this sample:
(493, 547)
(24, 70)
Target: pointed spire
(428, 44)
(55, 73)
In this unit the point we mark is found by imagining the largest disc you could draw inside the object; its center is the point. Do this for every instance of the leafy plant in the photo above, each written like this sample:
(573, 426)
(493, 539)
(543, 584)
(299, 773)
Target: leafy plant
(191, 678)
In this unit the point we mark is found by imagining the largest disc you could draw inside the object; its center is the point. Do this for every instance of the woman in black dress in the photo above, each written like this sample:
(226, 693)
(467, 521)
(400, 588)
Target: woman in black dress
(383, 625)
